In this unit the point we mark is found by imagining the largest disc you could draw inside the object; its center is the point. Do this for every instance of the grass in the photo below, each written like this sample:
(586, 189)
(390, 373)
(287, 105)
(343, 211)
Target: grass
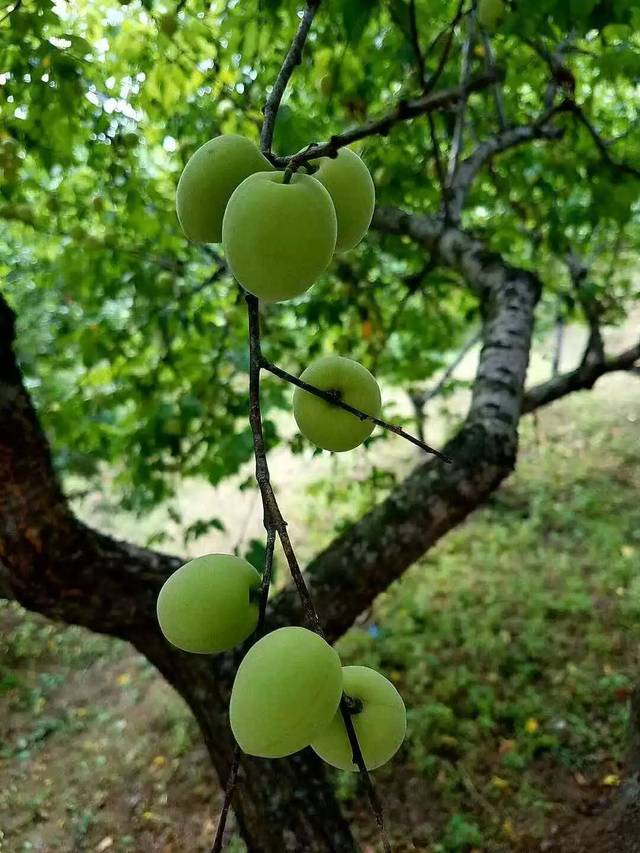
(514, 643)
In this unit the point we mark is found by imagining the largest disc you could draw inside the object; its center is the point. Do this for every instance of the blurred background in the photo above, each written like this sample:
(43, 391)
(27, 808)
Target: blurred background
(514, 641)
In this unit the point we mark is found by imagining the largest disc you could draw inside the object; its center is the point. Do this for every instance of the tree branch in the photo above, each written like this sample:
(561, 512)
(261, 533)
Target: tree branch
(458, 131)
(293, 58)
(601, 144)
(403, 111)
(510, 138)
(582, 378)
(330, 398)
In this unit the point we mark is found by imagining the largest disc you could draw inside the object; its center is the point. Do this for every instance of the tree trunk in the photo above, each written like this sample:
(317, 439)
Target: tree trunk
(280, 805)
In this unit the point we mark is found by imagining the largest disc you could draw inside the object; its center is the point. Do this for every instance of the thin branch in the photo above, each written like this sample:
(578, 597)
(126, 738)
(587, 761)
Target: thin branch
(428, 395)
(458, 132)
(272, 511)
(489, 61)
(557, 346)
(273, 518)
(449, 31)
(415, 43)
(601, 144)
(404, 111)
(358, 760)
(331, 398)
(293, 58)
(435, 148)
(265, 585)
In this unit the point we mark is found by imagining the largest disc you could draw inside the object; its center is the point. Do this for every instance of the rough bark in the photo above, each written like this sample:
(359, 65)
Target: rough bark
(54, 564)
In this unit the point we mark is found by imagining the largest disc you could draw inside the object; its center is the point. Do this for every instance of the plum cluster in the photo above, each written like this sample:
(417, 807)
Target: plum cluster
(287, 690)
(280, 231)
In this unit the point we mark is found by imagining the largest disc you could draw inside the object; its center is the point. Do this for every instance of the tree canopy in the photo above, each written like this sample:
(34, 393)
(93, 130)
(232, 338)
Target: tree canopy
(133, 340)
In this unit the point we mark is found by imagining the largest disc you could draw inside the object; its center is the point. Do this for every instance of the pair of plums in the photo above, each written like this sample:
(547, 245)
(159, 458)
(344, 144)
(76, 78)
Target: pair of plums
(287, 690)
(278, 237)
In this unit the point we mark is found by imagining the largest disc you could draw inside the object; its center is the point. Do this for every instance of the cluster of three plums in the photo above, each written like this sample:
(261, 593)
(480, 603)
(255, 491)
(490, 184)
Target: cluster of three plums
(287, 690)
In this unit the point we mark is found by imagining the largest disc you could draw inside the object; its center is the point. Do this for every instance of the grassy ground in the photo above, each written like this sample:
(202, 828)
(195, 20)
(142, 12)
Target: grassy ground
(514, 643)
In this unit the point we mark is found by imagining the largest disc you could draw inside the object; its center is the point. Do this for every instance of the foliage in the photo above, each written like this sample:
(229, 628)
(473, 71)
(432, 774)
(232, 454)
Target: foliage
(133, 344)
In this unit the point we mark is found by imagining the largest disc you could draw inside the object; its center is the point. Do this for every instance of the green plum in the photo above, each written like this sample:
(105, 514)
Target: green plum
(206, 605)
(490, 13)
(285, 693)
(351, 188)
(279, 238)
(325, 424)
(208, 180)
(380, 725)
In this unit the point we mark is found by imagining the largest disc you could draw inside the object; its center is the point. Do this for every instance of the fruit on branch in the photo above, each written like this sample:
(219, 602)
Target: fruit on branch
(208, 180)
(380, 725)
(286, 691)
(206, 605)
(491, 13)
(168, 24)
(322, 422)
(351, 188)
(279, 238)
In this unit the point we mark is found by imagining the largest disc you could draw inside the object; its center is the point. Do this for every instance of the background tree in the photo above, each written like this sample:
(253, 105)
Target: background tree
(507, 174)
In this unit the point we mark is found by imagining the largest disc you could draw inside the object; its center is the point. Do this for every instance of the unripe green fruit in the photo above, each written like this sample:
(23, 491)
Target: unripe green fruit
(279, 238)
(353, 194)
(208, 180)
(205, 606)
(325, 424)
(168, 24)
(285, 693)
(490, 13)
(380, 726)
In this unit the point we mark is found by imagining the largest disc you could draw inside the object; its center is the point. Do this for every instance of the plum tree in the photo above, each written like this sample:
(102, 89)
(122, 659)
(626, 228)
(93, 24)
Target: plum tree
(206, 605)
(353, 194)
(279, 237)
(490, 13)
(326, 425)
(380, 725)
(208, 180)
(285, 692)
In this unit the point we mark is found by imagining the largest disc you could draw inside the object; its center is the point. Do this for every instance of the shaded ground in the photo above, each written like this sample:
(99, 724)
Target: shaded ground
(514, 644)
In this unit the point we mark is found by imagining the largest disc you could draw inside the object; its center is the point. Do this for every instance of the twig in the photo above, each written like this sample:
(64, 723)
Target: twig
(358, 760)
(458, 132)
(435, 147)
(415, 43)
(429, 395)
(328, 397)
(265, 585)
(489, 62)
(601, 144)
(404, 111)
(271, 508)
(557, 345)
(449, 30)
(273, 516)
(293, 58)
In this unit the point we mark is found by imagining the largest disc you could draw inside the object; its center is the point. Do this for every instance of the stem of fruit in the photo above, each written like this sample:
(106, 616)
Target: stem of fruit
(274, 520)
(288, 174)
(263, 593)
(358, 760)
(293, 58)
(334, 400)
